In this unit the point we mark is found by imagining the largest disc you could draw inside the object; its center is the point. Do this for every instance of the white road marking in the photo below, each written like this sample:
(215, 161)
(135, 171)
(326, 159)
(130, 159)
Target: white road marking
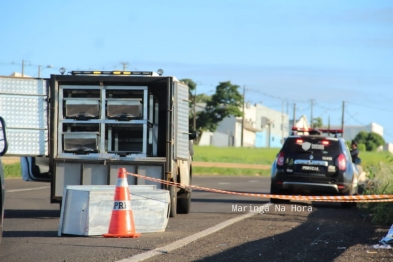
(185, 241)
(253, 181)
(223, 183)
(26, 189)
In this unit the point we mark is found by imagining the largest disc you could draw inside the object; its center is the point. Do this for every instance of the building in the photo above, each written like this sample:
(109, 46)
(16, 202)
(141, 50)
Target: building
(17, 74)
(350, 132)
(263, 127)
(388, 147)
(301, 122)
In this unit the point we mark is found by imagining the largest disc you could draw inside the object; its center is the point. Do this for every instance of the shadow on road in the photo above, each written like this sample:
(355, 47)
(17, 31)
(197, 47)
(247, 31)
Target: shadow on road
(30, 213)
(12, 234)
(325, 234)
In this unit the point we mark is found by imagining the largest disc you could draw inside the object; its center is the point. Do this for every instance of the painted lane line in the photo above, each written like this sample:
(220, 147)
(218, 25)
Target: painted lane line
(26, 189)
(223, 183)
(185, 241)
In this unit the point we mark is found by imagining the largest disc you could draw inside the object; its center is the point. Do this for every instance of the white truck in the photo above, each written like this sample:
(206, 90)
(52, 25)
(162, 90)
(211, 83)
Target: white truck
(79, 128)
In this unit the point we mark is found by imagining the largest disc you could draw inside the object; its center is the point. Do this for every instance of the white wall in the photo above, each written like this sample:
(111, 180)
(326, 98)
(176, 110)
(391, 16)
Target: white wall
(279, 123)
(232, 126)
(388, 147)
(227, 126)
(351, 131)
(206, 138)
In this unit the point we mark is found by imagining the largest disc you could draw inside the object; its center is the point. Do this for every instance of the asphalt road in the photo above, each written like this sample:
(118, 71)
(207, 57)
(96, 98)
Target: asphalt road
(31, 223)
(290, 232)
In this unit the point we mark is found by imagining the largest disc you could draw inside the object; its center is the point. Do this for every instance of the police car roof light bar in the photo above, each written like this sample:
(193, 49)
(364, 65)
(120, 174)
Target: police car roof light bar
(320, 130)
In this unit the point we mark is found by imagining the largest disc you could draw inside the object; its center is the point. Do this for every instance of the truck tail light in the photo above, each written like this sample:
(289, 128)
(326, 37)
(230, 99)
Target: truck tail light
(342, 162)
(280, 159)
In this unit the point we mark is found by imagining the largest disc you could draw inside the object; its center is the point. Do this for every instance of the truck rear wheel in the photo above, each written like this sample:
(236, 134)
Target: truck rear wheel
(173, 197)
(184, 204)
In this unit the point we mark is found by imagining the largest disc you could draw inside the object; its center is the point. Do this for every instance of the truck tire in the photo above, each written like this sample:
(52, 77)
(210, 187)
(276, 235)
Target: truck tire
(173, 197)
(184, 204)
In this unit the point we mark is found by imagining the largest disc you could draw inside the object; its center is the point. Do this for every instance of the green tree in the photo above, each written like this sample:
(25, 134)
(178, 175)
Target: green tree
(224, 102)
(203, 98)
(371, 140)
(317, 122)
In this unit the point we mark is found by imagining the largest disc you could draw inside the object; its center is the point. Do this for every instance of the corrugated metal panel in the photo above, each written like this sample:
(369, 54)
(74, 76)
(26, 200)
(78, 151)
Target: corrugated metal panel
(23, 105)
(181, 121)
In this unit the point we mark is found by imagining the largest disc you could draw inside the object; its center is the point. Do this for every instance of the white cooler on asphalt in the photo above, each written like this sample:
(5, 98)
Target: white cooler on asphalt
(87, 210)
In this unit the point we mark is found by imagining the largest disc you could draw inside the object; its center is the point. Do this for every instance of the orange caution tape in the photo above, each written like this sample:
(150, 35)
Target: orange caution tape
(355, 198)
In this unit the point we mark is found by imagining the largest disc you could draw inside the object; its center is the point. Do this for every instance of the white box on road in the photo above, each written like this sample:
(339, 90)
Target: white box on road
(87, 210)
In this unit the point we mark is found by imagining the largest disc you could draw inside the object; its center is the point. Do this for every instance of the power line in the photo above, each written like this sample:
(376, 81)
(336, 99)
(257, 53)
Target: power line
(277, 97)
(328, 108)
(352, 116)
(372, 107)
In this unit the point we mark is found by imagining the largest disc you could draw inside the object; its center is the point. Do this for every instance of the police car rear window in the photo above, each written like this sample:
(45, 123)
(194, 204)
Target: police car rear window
(314, 145)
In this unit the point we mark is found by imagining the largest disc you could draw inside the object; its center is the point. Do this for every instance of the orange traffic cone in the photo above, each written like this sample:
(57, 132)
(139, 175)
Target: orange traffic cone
(122, 220)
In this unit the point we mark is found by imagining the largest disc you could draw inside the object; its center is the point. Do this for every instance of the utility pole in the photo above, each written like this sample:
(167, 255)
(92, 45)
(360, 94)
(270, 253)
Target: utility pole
(294, 114)
(342, 118)
(282, 120)
(287, 108)
(124, 65)
(329, 122)
(23, 68)
(243, 119)
(311, 117)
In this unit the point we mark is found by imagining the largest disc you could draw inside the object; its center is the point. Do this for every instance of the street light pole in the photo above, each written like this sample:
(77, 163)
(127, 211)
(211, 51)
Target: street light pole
(39, 69)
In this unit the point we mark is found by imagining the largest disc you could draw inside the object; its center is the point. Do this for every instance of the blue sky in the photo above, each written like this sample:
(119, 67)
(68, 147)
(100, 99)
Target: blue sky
(291, 51)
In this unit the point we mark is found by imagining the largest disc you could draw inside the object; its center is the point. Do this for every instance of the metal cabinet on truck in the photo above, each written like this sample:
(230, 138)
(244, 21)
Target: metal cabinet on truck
(80, 128)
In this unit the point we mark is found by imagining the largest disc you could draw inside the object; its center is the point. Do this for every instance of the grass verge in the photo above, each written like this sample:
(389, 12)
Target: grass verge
(261, 156)
(380, 181)
(200, 171)
(12, 170)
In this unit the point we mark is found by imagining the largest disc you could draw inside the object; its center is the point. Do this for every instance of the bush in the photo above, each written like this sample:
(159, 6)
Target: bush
(380, 182)
(362, 147)
(371, 140)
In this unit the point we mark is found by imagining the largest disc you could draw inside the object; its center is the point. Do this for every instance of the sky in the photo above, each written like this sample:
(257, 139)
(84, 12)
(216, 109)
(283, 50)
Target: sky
(284, 53)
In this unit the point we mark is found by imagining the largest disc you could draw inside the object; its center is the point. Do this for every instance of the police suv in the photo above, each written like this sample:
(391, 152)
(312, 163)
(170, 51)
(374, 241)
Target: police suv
(314, 162)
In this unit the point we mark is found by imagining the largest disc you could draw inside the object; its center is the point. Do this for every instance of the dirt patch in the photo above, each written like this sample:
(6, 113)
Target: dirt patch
(10, 159)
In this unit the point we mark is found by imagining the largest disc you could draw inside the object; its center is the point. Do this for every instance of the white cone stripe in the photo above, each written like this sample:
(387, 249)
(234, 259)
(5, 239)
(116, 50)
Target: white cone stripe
(122, 182)
(122, 205)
